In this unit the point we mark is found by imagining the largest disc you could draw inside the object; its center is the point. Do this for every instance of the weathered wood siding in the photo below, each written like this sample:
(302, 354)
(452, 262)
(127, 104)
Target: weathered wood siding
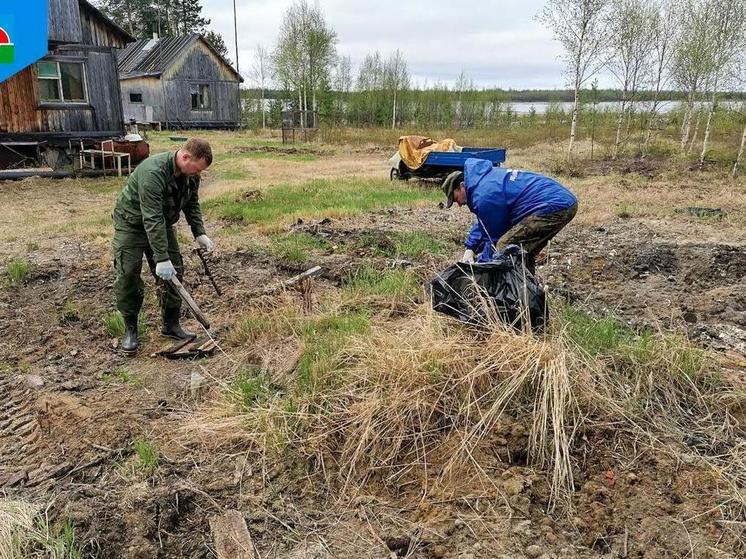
(18, 103)
(21, 111)
(197, 66)
(151, 108)
(64, 21)
(96, 32)
(67, 120)
(103, 91)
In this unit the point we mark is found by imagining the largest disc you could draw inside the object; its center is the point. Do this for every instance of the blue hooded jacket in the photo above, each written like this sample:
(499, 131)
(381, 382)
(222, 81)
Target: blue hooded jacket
(501, 197)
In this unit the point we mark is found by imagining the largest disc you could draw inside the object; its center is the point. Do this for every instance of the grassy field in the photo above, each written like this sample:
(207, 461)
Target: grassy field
(344, 416)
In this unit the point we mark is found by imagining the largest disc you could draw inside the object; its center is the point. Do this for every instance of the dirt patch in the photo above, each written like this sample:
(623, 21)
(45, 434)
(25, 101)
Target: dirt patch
(73, 406)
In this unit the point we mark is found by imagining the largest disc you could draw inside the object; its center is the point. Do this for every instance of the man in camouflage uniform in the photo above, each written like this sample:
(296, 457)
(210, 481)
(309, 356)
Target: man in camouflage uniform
(146, 211)
(512, 207)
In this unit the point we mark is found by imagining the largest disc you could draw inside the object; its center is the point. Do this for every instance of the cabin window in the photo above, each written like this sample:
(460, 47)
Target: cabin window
(62, 82)
(135, 97)
(200, 96)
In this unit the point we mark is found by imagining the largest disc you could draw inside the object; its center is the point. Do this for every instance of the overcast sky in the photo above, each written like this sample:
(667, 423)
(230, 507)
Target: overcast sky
(496, 43)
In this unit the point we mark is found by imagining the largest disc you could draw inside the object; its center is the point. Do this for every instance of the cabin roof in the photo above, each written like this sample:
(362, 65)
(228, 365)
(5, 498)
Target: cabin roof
(152, 57)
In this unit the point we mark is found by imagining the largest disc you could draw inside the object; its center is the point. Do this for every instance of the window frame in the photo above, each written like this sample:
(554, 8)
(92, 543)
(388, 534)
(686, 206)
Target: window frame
(200, 93)
(140, 102)
(60, 86)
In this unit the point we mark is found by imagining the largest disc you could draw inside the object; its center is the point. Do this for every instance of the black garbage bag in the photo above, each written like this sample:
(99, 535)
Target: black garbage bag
(502, 287)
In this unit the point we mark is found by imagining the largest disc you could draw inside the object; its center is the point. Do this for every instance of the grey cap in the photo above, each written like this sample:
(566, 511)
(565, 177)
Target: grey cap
(451, 183)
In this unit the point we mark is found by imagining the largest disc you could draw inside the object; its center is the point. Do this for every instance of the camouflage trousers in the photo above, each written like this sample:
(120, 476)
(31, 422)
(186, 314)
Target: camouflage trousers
(128, 248)
(534, 232)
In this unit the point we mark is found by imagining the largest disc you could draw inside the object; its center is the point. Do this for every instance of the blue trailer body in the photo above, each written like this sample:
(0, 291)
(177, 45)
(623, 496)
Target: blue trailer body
(439, 163)
(456, 159)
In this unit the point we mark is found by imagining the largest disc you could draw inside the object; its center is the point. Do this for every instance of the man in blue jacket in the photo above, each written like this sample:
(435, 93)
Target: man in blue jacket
(512, 207)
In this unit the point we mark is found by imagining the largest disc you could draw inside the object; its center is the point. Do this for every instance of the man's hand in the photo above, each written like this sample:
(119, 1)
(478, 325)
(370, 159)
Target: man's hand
(468, 257)
(165, 270)
(205, 243)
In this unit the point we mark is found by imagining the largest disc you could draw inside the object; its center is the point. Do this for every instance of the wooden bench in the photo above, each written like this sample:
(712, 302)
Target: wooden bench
(104, 153)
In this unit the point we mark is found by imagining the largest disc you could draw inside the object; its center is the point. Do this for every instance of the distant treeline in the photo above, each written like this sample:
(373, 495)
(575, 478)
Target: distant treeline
(519, 95)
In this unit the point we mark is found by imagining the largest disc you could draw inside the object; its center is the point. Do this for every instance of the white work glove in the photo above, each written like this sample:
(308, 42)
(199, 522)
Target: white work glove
(468, 257)
(205, 243)
(165, 270)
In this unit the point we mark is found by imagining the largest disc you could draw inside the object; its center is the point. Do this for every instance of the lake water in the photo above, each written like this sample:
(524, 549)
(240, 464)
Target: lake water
(664, 107)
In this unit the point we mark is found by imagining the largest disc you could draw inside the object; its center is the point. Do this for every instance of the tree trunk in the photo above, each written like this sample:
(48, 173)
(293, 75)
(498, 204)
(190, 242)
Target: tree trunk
(593, 128)
(687, 122)
(300, 105)
(740, 152)
(264, 112)
(708, 127)
(696, 131)
(619, 130)
(393, 118)
(129, 17)
(574, 124)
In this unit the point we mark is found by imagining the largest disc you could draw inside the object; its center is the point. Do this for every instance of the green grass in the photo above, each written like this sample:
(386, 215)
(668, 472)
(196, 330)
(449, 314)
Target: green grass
(322, 338)
(252, 386)
(103, 185)
(69, 312)
(234, 174)
(17, 271)
(396, 283)
(114, 324)
(283, 204)
(409, 244)
(56, 543)
(627, 350)
(122, 375)
(418, 245)
(147, 456)
(295, 247)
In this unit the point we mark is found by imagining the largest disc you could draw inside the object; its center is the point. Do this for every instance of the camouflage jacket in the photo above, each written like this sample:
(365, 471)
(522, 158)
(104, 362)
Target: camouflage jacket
(153, 199)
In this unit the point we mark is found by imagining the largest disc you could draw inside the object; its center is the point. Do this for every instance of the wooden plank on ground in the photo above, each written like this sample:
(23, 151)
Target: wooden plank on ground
(231, 536)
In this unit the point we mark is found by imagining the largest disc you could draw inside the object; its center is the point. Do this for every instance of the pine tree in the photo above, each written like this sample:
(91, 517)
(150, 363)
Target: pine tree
(217, 42)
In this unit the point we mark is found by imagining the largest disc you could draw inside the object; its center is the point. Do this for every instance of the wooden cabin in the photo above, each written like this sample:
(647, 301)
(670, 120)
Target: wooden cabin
(70, 94)
(179, 82)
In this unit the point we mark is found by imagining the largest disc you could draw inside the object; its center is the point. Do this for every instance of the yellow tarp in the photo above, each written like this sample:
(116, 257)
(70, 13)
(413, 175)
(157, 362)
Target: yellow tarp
(414, 149)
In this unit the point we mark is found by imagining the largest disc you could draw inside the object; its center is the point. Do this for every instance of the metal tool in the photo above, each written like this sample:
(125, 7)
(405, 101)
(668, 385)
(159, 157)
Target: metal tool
(201, 254)
(184, 294)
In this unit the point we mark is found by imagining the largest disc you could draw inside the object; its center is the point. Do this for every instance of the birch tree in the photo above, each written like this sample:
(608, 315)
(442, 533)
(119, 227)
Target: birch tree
(632, 37)
(261, 74)
(727, 29)
(342, 85)
(304, 54)
(582, 27)
(692, 58)
(396, 79)
(739, 157)
(665, 33)
(741, 80)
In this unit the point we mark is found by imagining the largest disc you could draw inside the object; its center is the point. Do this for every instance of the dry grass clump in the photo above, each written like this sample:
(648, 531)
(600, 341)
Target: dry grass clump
(386, 400)
(393, 393)
(16, 517)
(26, 533)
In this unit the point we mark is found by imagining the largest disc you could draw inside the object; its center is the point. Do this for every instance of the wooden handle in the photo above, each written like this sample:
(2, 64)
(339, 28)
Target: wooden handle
(184, 294)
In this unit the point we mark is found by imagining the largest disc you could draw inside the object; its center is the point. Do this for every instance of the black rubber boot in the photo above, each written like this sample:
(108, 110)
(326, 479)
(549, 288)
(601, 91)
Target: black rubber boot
(129, 341)
(172, 329)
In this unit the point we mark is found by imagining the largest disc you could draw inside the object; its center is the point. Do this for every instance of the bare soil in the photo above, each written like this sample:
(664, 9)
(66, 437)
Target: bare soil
(69, 418)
